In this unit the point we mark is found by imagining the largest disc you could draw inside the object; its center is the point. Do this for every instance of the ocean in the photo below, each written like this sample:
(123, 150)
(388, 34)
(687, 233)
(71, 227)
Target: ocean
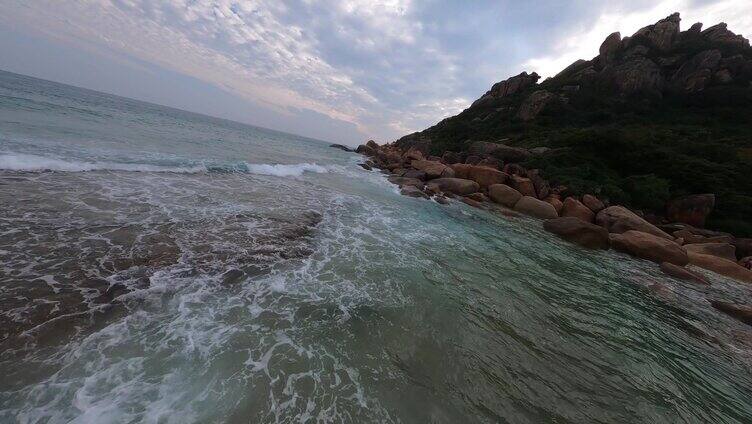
(161, 266)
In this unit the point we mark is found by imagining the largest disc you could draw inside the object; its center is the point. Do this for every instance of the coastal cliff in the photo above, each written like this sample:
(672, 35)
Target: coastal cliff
(659, 115)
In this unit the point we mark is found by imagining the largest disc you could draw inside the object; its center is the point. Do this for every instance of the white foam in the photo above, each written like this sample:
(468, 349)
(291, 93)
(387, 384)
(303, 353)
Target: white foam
(25, 162)
(281, 170)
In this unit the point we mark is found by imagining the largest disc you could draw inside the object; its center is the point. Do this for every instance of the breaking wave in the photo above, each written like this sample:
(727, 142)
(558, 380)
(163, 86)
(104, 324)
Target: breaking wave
(34, 163)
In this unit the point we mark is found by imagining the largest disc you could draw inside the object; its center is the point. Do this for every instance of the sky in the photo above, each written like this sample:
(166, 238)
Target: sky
(339, 70)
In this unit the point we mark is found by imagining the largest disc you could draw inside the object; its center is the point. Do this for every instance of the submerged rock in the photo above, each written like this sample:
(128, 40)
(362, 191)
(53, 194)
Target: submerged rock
(341, 147)
(650, 247)
(579, 232)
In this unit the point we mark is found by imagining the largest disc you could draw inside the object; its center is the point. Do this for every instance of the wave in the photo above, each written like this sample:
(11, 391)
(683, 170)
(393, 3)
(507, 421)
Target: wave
(34, 163)
(281, 170)
(25, 162)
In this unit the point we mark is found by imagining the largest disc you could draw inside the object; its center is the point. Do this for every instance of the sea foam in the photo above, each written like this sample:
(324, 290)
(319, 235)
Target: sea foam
(280, 170)
(25, 162)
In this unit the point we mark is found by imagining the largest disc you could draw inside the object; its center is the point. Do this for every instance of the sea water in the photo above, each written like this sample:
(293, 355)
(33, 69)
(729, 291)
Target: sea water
(161, 266)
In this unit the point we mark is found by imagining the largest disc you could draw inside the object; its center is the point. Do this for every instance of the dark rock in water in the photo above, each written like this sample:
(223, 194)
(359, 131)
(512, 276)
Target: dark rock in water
(441, 199)
(365, 166)
(406, 181)
(741, 312)
(692, 210)
(472, 202)
(683, 273)
(341, 147)
(232, 276)
(413, 191)
(650, 247)
(579, 232)
(746, 262)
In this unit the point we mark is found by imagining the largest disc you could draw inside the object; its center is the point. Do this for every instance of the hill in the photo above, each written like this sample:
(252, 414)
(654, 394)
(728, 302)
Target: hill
(655, 116)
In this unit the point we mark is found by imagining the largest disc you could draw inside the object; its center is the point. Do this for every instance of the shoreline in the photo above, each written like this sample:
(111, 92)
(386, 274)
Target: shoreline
(512, 191)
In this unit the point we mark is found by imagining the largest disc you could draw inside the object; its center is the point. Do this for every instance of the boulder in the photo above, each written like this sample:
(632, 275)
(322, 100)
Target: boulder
(478, 197)
(638, 74)
(457, 186)
(534, 104)
(542, 189)
(554, 200)
(741, 312)
(537, 208)
(472, 202)
(490, 162)
(578, 232)
(609, 47)
(720, 34)
(510, 86)
(689, 237)
(593, 203)
(405, 181)
(482, 175)
(663, 34)
(683, 273)
(692, 210)
(618, 219)
(574, 208)
(524, 185)
(432, 169)
(413, 154)
(650, 247)
(366, 150)
(721, 266)
(722, 250)
(372, 144)
(504, 195)
(414, 173)
(696, 73)
(365, 166)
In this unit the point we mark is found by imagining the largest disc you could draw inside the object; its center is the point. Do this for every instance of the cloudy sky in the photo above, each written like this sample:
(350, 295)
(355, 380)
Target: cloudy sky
(339, 70)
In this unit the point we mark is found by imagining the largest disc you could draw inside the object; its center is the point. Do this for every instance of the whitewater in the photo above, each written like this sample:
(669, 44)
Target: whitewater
(160, 266)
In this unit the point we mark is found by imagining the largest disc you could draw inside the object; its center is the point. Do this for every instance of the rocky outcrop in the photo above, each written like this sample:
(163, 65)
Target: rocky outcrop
(537, 208)
(593, 203)
(504, 195)
(695, 74)
(510, 86)
(482, 175)
(610, 46)
(618, 219)
(574, 208)
(662, 35)
(457, 186)
(720, 34)
(650, 247)
(639, 74)
(722, 250)
(683, 273)
(432, 169)
(534, 104)
(578, 232)
(721, 266)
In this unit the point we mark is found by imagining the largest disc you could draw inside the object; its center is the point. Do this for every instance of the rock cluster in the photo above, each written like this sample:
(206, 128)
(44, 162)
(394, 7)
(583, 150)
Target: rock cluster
(495, 184)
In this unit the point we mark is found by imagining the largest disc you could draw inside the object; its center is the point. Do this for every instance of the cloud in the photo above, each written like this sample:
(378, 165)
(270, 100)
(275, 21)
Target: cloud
(386, 67)
(583, 43)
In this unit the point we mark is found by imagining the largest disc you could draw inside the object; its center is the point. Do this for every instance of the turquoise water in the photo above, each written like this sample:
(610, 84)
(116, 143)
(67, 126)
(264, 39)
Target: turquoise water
(165, 267)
